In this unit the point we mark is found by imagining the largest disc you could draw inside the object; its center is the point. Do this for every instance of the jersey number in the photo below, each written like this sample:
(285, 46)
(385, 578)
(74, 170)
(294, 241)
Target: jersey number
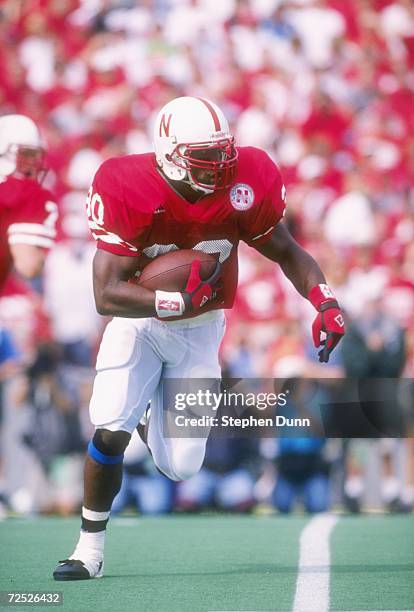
(95, 212)
(51, 219)
(95, 207)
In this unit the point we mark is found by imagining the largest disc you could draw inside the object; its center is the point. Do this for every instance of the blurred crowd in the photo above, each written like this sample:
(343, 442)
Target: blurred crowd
(327, 88)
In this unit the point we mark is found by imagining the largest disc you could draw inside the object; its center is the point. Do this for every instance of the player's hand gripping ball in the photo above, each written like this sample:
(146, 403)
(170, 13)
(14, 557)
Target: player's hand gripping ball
(197, 291)
(184, 281)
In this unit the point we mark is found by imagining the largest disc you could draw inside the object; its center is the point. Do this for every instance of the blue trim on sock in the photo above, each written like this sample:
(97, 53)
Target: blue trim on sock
(101, 458)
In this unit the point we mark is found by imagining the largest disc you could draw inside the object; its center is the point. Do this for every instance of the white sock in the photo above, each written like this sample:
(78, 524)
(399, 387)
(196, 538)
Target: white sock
(90, 550)
(90, 546)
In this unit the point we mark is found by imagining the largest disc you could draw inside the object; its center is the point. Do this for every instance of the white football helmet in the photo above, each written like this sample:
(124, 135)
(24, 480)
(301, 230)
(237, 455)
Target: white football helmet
(21, 150)
(193, 144)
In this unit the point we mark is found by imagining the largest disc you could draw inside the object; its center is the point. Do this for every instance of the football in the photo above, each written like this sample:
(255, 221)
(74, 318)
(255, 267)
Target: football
(170, 272)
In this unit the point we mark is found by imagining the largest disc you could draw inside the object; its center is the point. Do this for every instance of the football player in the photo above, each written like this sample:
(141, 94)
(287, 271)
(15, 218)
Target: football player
(28, 212)
(198, 191)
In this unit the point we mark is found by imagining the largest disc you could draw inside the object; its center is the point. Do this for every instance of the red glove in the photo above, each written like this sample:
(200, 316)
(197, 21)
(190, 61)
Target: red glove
(329, 320)
(198, 292)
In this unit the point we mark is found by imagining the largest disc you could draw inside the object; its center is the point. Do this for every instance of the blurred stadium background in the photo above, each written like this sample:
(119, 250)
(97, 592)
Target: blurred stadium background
(336, 111)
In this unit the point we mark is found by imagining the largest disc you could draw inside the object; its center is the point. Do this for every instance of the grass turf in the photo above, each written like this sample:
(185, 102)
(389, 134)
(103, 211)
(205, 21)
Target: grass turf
(162, 564)
(202, 563)
(372, 563)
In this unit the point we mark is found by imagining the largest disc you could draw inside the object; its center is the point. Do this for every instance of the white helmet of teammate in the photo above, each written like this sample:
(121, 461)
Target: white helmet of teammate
(21, 149)
(193, 144)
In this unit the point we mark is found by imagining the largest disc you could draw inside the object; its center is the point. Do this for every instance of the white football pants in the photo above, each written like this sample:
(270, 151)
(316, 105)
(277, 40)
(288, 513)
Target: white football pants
(134, 357)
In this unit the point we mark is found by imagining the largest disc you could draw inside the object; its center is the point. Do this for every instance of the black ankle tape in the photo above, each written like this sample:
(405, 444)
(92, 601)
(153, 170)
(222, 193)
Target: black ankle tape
(93, 526)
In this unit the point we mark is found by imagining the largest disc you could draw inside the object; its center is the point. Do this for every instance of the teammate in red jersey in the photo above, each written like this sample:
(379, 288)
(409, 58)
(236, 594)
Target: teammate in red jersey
(198, 191)
(27, 211)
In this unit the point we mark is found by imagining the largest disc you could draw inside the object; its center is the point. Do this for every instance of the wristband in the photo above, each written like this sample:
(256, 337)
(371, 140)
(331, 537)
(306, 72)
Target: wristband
(169, 304)
(322, 297)
(327, 305)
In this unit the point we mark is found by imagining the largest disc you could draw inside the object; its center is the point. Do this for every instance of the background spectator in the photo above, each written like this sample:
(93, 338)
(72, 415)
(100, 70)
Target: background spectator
(226, 480)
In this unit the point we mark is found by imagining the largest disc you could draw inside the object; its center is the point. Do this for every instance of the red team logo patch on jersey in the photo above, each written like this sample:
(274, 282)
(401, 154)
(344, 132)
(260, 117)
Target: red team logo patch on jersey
(241, 196)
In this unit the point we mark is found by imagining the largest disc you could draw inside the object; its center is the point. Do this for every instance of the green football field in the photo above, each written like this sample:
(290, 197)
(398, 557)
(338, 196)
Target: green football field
(226, 563)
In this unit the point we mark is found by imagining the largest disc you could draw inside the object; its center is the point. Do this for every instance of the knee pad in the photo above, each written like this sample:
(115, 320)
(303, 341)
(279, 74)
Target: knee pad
(107, 447)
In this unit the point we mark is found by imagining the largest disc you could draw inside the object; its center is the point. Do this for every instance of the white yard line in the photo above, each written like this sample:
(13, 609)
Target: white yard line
(312, 584)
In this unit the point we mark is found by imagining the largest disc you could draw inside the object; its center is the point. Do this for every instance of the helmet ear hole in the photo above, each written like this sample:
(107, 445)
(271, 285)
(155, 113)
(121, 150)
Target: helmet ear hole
(168, 157)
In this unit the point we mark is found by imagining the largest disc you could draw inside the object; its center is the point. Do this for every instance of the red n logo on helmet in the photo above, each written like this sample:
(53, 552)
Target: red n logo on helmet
(165, 125)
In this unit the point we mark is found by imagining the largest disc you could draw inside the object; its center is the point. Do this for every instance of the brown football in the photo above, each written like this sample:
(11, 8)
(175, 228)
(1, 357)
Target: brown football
(170, 272)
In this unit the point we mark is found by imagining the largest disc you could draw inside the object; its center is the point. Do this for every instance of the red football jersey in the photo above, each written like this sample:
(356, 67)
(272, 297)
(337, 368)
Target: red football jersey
(27, 216)
(134, 211)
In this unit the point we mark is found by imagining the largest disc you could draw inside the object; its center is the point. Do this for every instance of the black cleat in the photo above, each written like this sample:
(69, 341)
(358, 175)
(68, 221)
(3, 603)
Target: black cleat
(72, 569)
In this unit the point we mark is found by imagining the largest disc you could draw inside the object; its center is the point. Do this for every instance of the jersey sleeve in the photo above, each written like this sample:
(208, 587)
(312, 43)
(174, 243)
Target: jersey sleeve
(257, 223)
(35, 220)
(113, 225)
